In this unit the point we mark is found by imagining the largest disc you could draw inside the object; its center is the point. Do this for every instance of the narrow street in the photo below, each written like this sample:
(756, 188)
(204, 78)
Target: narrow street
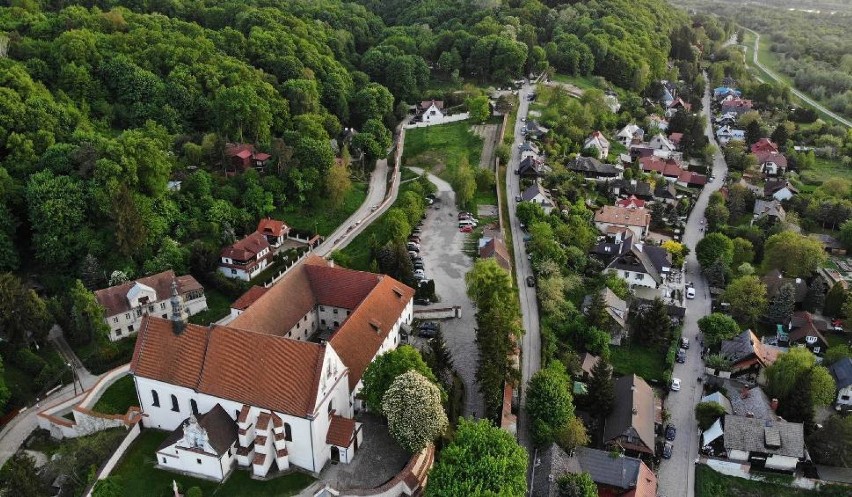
(531, 342)
(676, 476)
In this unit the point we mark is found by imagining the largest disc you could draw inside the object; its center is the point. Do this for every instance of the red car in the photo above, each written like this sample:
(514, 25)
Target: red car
(466, 229)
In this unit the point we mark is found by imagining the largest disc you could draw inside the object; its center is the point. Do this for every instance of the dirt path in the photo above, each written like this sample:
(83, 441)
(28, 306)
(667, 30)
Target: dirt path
(488, 133)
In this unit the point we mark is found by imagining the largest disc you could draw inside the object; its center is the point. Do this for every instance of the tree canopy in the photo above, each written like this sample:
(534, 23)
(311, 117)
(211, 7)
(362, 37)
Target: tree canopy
(415, 414)
(381, 373)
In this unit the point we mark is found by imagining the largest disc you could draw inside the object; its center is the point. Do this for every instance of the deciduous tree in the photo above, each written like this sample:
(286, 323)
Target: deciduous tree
(576, 485)
(832, 444)
(707, 413)
(385, 368)
(747, 296)
(712, 247)
(793, 254)
(549, 403)
(716, 327)
(413, 407)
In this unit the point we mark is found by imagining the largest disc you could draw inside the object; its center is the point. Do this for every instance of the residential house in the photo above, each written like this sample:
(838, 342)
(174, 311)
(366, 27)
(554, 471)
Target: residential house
(771, 163)
(728, 119)
(831, 245)
(616, 308)
(661, 142)
(763, 145)
(748, 355)
(670, 169)
(244, 156)
(630, 202)
(737, 106)
(776, 445)
(247, 299)
(691, 179)
(638, 189)
(529, 149)
(774, 280)
(630, 134)
(619, 476)
(431, 111)
(598, 141)
(203, 445)
(531, 167)
(611, 101)
(719, 398)
(594, 169)
(667, 99)
(587, 364)
(723, 91)
(290, 400)
(771, 209)
(726, 134)
(842, 373)
(640, 151)
(642, 266)
(246, 258)
(655, 121)
(636, 220)
(806, 331)
(275, 231)
(676, 105)
(538, 195)
(616, 241)
(779, 189)
(665, 192)
(630, 426)
(495, 248)
(125, 305)
(676, 138)
(536, 130)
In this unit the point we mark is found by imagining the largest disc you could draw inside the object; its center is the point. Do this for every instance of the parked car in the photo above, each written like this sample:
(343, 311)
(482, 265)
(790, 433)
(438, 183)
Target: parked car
(667, 450)
(675, 384)
(681, 356)
(429, 325)
(428, 333)
(412, 253)
(684, 342)
(671, 432)
(422, 301)
(518, 198)
(419, 273)
(466, 229)
(530, 280)
(690, 292)
(419, 265)
(464, 215)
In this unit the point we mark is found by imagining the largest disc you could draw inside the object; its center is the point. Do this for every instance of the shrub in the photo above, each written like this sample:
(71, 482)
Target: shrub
(28, 361)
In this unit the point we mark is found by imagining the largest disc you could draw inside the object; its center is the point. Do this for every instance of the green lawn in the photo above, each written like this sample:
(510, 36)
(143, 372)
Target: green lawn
(441, 148)
(141, 479)
(318, 216)
(827, 169)
(582, 82)
(118, 397)
(218, 306)
(643, 361)
(709, 483)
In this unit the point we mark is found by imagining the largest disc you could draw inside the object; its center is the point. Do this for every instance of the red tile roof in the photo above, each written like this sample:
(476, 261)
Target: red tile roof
(764, 145)
(340, 431)
(623, 216)
(497, 249)
(114, 298)
(630, 202)
(261, 370)
(692, 178)
(676, 138)
(340, 287)
(249, 298)
(770, 156)
(272, 227)
(646, 483)
(241, 150)
(247, 248)
(669, 167)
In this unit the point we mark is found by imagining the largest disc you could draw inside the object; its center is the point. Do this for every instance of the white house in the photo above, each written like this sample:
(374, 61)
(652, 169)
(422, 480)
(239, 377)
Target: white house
(126, 304)
(598, 140)
(842, 373)
(203, 445)
(630, 134)
(779, 189)
(286, 371)
(538, 195)
(432, 111)
(661, 142)
(776, 445)
(246, 258)
(274, 230)
(643, 265)
(726, 133)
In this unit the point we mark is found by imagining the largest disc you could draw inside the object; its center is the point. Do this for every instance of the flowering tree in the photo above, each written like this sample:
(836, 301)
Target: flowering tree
(413, 407)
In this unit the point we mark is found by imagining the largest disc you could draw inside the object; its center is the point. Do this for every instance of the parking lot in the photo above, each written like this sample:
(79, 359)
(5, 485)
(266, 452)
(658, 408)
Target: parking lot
(445, 262)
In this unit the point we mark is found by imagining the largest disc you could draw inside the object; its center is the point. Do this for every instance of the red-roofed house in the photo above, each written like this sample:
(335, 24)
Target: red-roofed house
(764, 145)
(631, 202)
(668, 168)
(286, 372)
(247, 299)
(675, 138)
(689, 178)
(246, 258)
(242, 156)
(736, 106)
(275, 231)
(771, 163)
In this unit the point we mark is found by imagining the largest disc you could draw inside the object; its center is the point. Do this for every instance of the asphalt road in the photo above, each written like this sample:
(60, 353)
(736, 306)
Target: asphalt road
(676, 476)
(531, 342)
(805, 98)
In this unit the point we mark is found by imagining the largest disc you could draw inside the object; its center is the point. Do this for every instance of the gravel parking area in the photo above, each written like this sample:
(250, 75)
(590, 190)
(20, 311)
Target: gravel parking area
(445, 262)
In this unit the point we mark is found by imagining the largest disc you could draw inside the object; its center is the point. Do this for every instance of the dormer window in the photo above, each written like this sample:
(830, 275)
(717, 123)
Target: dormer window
(377, 327)
(398, 292)
(810, 340)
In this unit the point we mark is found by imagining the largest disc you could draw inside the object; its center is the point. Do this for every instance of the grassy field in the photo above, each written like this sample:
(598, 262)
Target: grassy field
(141, 479)
(441, 148)
(321, 218)
(709, 483)
(827, 169)
(581, 82)
(218, 306)
(635, 359)
(118, 397)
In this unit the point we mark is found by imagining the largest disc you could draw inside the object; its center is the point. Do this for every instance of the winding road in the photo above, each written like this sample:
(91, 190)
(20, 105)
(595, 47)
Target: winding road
(808, 100)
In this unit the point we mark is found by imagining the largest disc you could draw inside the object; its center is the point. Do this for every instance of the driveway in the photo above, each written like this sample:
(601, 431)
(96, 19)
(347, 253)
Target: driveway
(676, 476)
(531, 342)
(445, 262)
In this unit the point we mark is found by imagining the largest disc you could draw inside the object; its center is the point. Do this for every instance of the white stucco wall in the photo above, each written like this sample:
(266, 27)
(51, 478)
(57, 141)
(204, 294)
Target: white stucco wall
(738, 455)
(120, 324)
(207, 465)
(782, 463)
(845, 392)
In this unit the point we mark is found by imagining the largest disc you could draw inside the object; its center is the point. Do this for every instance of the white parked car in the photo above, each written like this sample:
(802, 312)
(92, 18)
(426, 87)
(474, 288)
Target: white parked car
(675, 384)
(690, 292)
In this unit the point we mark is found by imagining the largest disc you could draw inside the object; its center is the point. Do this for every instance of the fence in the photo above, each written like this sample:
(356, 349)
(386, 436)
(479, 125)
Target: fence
(116, 456)
(443, 120)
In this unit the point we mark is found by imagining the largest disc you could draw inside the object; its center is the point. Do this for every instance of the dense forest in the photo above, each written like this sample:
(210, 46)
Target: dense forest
(812, 48)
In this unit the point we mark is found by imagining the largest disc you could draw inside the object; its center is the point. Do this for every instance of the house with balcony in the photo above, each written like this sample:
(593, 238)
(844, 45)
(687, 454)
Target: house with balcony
(642, 266)
(276, 389)
(636, 220)
(273, 230)
(125, 305)
(776, 445)
(246, 258)
(598, 141)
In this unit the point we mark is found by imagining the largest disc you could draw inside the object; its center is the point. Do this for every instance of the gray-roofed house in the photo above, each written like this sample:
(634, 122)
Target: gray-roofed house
(616, 309)
(536, 194)
(748, 355)
(631, 423)
(642, 265)
(531, 167)
(639, 189)
(779, 189)
(720, 399)
(769, 208)
(842, 373)
(774, 280)
(776, 445)
(594, 169)
(665, 192)
(614, 244)
(620, 475)
(529, 149)
(202, 445)
(806, 330)
(536, 130)
(830, 244)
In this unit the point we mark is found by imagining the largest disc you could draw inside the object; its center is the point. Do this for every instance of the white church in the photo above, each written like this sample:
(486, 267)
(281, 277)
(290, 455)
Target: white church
(276, 387)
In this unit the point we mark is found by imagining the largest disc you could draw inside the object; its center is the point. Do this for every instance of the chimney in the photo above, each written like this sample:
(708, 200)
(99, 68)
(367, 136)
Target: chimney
(178, 317)
(774, 404)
